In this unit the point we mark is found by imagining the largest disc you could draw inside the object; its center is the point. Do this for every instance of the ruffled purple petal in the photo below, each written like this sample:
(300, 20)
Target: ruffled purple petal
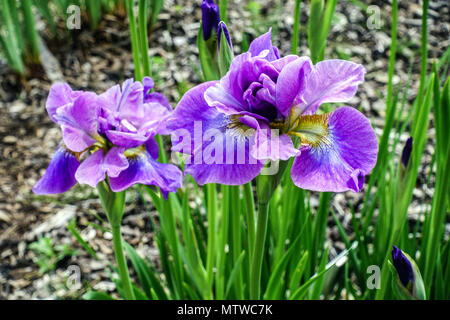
(129, 117)
(145, 169)
(126, 139)
(219, 152)
(340, 166)
(155, 120)
(115, 162)
(218, 97)
(60, 174)
(263, 46)
(331, 81)
(248, 86)
(148, 84)
(244, 71)
(282, 62)
(192, 107)
(291, 84)
(156, 97)
(79, 122)
(96, 166)
(126, 101)
(60, 95)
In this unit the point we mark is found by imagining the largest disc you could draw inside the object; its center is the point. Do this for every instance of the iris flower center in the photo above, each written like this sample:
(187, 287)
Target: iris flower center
(312, 130)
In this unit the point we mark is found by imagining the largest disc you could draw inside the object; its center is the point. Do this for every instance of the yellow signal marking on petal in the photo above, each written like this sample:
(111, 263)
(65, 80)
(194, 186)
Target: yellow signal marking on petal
(134, 152)
(279, 124)
(312, 129)
(239, 129)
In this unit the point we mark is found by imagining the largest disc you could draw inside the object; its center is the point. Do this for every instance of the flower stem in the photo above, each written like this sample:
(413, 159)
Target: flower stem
(258, 253)
(114, 204)
(129, 5)
(122, 263)
(250, 217)
(211, 203)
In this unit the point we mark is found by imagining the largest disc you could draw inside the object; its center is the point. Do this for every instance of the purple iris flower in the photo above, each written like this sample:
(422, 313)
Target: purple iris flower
(261, 103)
(210, 18)
(403, 266)
(114, 134)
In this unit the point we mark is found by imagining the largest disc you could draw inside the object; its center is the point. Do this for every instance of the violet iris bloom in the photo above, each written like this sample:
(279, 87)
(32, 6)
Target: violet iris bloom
(403, 266)
(262, 95)
(210, 18)
(114, 133)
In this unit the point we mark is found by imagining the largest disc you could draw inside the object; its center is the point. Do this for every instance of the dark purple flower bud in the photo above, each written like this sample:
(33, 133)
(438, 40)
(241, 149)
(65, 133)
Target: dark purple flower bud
(403, 266)
(223, 28)
(406, 153)
(210, 17)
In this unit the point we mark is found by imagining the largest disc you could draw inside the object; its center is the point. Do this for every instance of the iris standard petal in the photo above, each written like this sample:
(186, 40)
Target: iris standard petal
(60, 174)
(96, 166)
(154, 97)
(263, 46)
(157, 97)
(125, 101)
(79, 122)
(155, 120)
(144, 169)
(284, 61)
(331, 81)
(342, 149)
(60, 95)
(229, 95)
(291, 84)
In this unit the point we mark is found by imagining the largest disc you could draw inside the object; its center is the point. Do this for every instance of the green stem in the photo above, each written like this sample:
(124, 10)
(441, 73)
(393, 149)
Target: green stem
(143, 36)
(295, 29)
(122, 263)
(258, 253)
(113, 204)
(168, 220)
(129, 4)
(221, 259)
(250, 217)
(211, 203)
(236, 242)
(30, 30)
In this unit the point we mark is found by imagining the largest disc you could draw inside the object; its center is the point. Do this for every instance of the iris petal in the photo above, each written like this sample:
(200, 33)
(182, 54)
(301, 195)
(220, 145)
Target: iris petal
(79, 122)
(330, 81)
(340, 163)
(291, 84)
(60, 95)
(60, 174)
(96, 166)
(264, 43)
(223, 160)
(145, 169)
